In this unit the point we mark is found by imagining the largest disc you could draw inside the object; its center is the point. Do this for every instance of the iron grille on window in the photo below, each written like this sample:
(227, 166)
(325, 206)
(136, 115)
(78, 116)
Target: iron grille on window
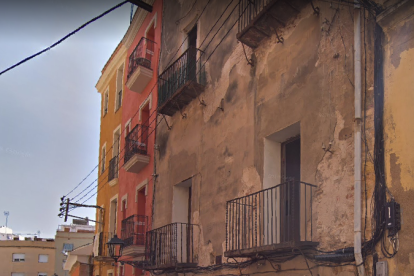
(170, 246)
(133, 230)
(104, 237)
(113, 168)
(141, 56)
(136, 141)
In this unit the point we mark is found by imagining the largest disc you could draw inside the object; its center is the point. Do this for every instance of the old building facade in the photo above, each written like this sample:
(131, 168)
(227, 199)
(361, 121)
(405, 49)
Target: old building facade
(269, 150)
(262, 137)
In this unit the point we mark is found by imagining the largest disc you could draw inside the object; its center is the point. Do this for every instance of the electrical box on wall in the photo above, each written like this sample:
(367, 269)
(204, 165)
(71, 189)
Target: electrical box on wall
(392, 217)
(381, 269)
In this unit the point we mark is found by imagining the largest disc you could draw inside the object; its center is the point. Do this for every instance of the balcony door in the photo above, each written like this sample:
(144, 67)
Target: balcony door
(192, 54)
(140, 226)
(290, 191)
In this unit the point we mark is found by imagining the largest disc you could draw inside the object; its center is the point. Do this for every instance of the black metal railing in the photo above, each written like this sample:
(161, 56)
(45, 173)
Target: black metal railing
(136, 141)
(171, 245)
(104, 237)
(278, 215)
(188, 67)
(113, 168)
(248, 10)
(141, 56)
(133, 230)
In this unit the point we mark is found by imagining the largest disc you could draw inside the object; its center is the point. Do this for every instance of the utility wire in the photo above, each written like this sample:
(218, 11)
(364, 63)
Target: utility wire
(150, 93)
(64, 38)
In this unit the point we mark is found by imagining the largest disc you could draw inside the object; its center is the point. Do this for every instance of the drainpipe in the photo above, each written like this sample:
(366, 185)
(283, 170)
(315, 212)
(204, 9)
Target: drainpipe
(357, 141)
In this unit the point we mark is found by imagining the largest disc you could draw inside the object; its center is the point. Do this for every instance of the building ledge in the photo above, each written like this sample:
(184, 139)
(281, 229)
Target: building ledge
(136, 163)
(113, 182)
(139, 79)
(273, 249)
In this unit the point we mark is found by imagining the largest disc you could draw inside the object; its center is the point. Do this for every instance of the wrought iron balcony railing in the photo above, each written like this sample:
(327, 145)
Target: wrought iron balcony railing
(113, 168)
(141, 56)
(133, 230)
(171, 246)
(136, 142)
(276, 219)
(104, 237)
(182, 81)
(261, 18)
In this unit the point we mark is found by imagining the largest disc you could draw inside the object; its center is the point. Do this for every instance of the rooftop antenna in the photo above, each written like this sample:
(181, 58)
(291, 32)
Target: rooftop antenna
(6, 213)
(38, 233)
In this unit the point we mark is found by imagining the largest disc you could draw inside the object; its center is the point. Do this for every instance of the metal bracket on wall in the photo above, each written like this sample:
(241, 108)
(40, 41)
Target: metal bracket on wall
(166, 122)
(221, 106)
(183, 115)
(316, 10)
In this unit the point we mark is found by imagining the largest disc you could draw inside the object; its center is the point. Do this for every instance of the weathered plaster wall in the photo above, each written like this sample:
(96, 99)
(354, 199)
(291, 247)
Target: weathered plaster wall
(399, 128)
(307, 79)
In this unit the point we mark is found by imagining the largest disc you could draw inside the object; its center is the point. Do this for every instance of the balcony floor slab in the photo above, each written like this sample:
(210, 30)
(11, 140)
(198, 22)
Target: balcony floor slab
(280, 248)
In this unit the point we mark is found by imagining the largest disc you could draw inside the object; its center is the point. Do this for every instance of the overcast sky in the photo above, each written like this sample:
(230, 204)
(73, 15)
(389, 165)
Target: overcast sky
(49, 106)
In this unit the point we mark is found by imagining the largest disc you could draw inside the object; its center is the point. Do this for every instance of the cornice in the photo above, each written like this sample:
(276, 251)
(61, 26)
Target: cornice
(111, 68)
(135, 25)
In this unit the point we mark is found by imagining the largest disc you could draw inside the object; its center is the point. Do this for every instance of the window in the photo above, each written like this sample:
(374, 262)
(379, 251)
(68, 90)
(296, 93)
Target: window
(18, 257)
(103, 159)
(17, 274)
(106, 102)
(43, 258)
(118, 98)
(41, 274)
(67, 247)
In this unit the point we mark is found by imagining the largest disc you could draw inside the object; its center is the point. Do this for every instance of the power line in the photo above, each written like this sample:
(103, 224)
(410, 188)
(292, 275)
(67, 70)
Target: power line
(150, 93)
(64, 38)
(99, 188)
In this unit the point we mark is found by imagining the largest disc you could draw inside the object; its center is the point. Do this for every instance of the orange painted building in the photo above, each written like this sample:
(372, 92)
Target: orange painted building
(139, 119)
(110, 86)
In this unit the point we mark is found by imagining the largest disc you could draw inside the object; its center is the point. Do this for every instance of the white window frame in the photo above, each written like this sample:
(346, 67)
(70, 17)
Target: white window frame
(148, 101)
(152, 23)
(117, 129)
(128, 123)
(139, 187)
(16, 259)
(47, 258)
(117, 105)
(103, 159)
(124, 198)
(105, 107)
(115, 197)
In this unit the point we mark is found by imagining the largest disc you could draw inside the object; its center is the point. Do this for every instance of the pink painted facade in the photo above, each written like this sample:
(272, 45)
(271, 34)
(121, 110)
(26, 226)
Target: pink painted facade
(139, 115)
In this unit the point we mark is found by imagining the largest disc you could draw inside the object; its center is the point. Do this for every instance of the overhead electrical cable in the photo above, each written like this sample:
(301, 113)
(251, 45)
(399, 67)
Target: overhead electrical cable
(63, 38)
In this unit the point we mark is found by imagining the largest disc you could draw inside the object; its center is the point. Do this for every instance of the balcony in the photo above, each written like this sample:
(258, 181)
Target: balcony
(113, 171)
(140, 65)
(171, 247)
(270, 222)
(102, 253)
(133, 234)
(136, 158)
(181, 82)
(261, 18)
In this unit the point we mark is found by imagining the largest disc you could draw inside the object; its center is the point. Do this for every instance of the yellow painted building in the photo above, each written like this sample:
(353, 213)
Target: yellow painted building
(110, 86)
(397, 23)
(28, 257)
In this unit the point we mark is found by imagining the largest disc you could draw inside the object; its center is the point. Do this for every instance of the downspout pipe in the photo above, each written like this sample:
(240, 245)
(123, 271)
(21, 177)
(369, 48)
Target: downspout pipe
(357, 141)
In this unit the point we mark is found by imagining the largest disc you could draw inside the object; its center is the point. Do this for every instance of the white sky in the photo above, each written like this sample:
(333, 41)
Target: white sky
(49, 106)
